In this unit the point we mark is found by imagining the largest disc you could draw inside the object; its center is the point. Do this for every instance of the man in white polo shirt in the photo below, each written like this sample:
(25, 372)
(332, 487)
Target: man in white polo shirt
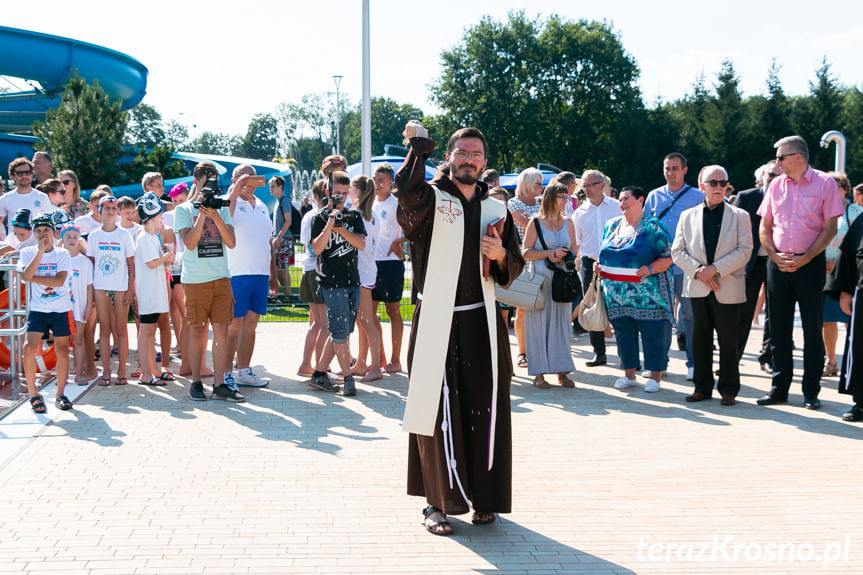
(590, 219)
(249, 264)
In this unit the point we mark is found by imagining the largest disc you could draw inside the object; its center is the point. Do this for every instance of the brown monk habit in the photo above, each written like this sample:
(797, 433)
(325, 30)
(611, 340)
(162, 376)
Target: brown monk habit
(468, 362)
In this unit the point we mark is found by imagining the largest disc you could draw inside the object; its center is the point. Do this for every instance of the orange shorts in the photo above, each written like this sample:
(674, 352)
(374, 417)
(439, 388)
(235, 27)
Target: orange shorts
(213, 301)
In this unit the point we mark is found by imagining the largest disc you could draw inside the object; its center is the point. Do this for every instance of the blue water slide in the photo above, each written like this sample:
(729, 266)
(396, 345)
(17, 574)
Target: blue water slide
(50, 61)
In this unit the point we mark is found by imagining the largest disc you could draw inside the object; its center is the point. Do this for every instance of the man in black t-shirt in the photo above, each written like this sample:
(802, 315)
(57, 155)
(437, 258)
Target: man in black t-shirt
(337, 235)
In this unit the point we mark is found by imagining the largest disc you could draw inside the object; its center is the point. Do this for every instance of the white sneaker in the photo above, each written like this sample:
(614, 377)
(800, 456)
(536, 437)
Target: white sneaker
(624, 382)
(690, 373)
(651, 386)
(251, 380)
(646, 374)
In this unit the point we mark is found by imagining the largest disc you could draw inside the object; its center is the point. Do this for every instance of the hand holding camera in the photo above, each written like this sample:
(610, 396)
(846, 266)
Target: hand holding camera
(336, 216)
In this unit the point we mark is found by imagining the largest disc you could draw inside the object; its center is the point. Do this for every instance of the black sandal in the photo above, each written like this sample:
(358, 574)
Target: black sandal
(37, 404)
(483, 517)
(521, 360)
(63, 403)
(443, 527)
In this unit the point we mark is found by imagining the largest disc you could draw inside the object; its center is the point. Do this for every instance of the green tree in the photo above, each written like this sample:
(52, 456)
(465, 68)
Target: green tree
(261, 139)
(852, 113)
(388, 119)
(84, 133)
(176, 135)
(158, 159)
(219, 144)
(726, 128)
(144, 127)
(488, 81)
(819, 113)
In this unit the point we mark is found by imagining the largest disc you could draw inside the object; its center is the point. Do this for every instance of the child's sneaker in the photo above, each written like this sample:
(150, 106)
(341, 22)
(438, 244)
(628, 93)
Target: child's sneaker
(249, 379)
(224, 391)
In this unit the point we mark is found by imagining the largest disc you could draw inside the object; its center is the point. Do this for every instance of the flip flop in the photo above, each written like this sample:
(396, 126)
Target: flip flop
(483, 517)
(155, 381)
(105, 382)
(121, 381)
(521, 360)
(167, 376)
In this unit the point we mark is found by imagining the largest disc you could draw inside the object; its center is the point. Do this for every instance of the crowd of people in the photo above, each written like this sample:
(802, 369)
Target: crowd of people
(695, 258)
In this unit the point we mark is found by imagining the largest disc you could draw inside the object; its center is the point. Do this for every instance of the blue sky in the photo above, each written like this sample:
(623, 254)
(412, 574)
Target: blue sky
(220, 62)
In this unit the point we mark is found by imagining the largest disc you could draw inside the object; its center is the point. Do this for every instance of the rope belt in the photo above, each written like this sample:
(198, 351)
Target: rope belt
(467, 307)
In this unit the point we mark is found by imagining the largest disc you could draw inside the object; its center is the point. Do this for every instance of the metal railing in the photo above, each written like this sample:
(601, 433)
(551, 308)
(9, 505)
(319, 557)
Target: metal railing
(13, 317)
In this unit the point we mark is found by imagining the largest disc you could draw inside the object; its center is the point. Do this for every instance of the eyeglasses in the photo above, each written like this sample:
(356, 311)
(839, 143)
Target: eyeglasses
(714, 183)
(782, 157)
(461, 155)
(67, 182)
(591, 184)
(21, 172)
(562, 197)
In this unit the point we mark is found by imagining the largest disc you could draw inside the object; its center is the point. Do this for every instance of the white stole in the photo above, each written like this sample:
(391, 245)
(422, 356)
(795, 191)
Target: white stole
(433, 329)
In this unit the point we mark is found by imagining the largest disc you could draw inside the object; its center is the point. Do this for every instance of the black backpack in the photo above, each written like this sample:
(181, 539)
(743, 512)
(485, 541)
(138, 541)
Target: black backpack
(296, 219)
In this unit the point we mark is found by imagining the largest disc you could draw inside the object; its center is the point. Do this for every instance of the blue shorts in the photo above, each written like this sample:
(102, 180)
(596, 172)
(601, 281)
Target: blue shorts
(390, 282)
(61, 324)
(342, 305)
(250, 294)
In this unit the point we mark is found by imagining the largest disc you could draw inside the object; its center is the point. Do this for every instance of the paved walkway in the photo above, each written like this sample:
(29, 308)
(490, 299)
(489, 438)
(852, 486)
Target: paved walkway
(142, 480)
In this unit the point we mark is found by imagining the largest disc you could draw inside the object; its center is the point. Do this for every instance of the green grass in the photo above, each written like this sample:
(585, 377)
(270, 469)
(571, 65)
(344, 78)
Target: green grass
(300, 312)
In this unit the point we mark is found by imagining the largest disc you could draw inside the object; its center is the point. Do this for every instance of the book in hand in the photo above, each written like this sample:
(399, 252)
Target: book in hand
(495, 225)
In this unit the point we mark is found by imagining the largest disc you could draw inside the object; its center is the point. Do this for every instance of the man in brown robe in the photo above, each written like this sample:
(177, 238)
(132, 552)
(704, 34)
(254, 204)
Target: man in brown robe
(468, 373)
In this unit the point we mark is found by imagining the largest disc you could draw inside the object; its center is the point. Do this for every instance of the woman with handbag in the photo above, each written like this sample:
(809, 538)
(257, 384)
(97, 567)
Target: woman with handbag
(549, 242)
(523, 206)
(634, 257)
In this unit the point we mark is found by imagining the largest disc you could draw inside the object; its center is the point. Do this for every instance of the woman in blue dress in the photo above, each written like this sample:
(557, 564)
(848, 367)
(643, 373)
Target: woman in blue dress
(634, 258)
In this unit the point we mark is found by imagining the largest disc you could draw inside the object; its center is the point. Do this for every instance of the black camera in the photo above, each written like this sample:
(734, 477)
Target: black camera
(337, 217)
(209, 192)
(569, 260)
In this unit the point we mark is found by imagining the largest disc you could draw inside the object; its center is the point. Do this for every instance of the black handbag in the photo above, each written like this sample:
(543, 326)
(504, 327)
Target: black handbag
(565, 284)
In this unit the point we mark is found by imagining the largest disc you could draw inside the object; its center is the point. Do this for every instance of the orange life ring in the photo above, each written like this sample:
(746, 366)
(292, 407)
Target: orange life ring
(45, 362)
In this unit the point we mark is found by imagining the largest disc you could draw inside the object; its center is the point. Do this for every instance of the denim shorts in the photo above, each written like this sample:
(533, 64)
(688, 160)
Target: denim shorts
(342, 305)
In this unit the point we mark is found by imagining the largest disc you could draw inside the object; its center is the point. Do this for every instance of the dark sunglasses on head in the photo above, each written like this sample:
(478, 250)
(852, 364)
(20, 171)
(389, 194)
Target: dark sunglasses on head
(714, 183)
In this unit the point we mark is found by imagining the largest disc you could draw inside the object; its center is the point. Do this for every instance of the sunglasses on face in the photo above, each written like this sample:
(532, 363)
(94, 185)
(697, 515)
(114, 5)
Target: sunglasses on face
(781, 157)
(66, 182)
(22, 172)
(715, 183)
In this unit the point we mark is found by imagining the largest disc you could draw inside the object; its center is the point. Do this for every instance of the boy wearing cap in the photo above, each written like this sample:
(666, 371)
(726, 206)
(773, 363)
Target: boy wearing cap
(112, 252)
(46, 268)
(151, 284)
(81, 293)
(21, 235)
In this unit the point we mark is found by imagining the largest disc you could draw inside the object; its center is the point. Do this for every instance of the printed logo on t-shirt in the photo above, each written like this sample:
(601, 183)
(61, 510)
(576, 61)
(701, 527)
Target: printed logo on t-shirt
(108, 262)
(47, 270)
(37, 203)
(210, 244)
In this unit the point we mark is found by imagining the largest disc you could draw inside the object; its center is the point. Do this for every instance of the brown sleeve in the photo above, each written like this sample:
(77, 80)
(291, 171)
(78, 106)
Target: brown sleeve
(416, 197)
(514, 260)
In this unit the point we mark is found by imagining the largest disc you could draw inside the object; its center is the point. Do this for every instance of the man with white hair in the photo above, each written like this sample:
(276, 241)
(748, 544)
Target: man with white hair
(589, 220)
(712, 245)
(798, 220)
(249, 264)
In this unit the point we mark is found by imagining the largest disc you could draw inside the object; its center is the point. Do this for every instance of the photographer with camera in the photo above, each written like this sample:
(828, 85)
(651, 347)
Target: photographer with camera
(547, 330)
(249, 264)
(205, 227)
(337, 235)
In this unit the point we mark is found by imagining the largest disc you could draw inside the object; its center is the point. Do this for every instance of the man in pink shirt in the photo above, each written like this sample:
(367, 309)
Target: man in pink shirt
(798, 219)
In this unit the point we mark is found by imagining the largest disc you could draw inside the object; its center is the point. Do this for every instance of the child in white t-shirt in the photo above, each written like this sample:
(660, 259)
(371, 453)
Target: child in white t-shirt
(128, 217)
(81, 288)
(46, 268)
(112, 252)
(151, 284)
(20, 235)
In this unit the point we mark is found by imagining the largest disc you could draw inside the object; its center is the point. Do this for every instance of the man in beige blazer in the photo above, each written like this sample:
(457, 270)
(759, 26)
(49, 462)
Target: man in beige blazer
(712, 246)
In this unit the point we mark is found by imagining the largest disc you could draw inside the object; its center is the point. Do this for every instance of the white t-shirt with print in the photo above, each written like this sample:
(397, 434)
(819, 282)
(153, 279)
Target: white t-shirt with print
(35, 201)
(151, 284)
(44, 298)
(253, 229)
(109, 251)
(388, 227)
(80, 278)
(133, 231)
